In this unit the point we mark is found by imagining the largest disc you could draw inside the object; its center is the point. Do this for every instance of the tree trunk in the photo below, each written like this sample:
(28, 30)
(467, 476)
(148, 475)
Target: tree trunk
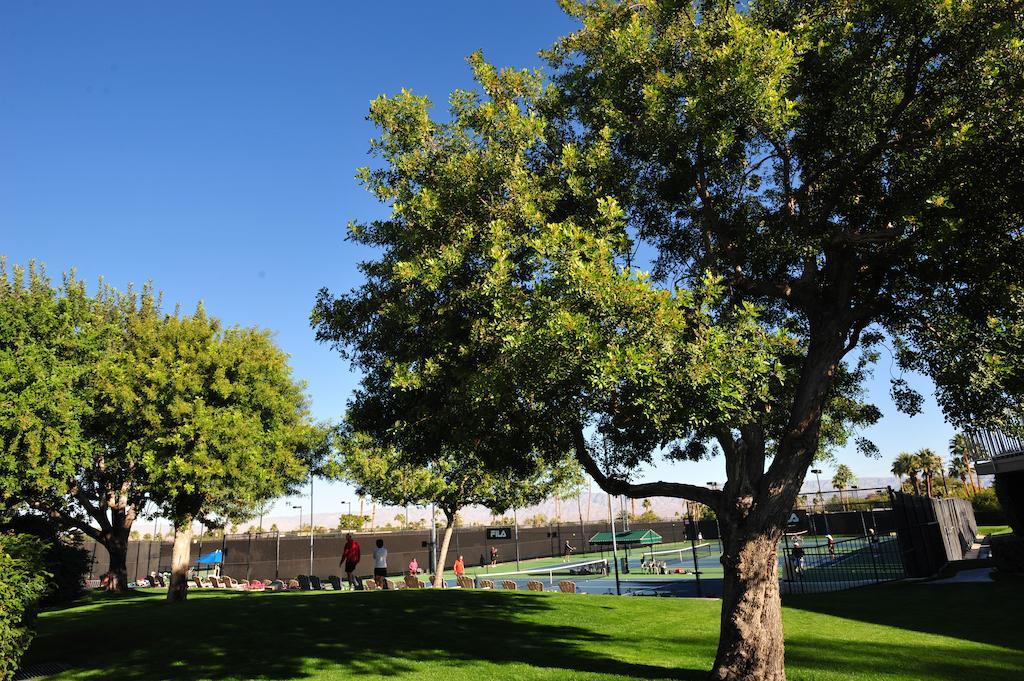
(180, 558)
(750, 645)
(443, 555)
(116, 544)
(928, 484)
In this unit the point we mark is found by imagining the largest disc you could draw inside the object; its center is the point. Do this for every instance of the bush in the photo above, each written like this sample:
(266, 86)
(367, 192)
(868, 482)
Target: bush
(22, 585)
(64, 558)
(985, 501)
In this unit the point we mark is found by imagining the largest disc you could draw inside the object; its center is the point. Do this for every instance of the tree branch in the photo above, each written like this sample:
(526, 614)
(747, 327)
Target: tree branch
(615, 486)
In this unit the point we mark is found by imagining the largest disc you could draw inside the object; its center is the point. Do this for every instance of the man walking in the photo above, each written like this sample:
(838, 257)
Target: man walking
(350, 559)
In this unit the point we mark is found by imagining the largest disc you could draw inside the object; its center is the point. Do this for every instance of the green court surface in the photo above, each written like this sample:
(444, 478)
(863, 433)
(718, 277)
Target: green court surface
(900, 632)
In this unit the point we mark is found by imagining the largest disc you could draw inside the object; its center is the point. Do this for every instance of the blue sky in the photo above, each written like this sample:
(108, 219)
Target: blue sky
(212, 147)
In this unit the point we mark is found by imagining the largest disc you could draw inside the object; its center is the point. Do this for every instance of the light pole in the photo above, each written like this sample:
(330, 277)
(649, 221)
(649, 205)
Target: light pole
(311, 523)
(718, 528)
(817, 474)
(343, 502)
(299, 530)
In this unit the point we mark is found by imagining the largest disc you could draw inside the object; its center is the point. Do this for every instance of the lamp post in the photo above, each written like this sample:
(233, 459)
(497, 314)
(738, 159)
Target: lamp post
(299, 530)
(311, 523)
(817, 475)
(718, 528)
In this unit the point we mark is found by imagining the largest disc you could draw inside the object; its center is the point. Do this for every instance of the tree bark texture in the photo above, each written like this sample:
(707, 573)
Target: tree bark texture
(443, 554)
(116, 544)
(181, 556)
(750, 644)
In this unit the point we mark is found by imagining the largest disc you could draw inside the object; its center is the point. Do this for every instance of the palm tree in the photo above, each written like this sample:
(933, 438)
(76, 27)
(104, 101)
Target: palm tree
(958, 468)
(961, 448)
(931, 465)
(907, 464)
(843, 478)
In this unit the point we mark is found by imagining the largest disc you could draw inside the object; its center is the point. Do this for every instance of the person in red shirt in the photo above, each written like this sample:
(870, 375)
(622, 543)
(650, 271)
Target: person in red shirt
(460, 567)
(350, 558)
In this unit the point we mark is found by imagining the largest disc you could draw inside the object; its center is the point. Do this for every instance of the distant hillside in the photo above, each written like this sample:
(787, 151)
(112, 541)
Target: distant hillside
(593, 507)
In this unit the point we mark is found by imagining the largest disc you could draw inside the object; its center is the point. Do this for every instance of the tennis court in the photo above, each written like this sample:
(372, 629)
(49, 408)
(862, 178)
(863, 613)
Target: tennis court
(854, 560)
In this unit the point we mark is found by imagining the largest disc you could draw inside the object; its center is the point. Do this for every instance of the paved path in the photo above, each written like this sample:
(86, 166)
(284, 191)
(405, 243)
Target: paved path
(966, 576)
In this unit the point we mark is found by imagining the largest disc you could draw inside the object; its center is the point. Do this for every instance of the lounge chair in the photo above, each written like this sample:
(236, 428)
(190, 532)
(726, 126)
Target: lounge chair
(369, 585)
(486, 583)
(534, 585)
(315, 583)
(335, 581)
(303, 582)
(276, 585)
(465, 582)
(413, 583)
(201, 583)
(509, 585)
(293, 585)
(257, 585)
(394, 585)
(215, 582)
(567, 587)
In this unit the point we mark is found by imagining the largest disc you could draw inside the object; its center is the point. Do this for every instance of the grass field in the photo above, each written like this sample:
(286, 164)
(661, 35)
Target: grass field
(993, 529)
(893, 632)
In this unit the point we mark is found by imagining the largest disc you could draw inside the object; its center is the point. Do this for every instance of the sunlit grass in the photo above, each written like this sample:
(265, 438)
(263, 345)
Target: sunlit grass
(906, 631)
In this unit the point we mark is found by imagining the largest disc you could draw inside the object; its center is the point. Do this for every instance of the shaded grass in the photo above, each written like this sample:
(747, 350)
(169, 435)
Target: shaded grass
(993, 529)
(908, 631)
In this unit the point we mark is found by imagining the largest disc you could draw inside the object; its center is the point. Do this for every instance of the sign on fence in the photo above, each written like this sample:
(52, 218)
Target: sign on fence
(499, 532)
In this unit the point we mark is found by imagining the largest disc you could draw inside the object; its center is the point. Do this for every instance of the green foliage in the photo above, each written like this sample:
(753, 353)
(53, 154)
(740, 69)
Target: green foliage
(813, 178)
(63, 559)
(986, 501)
(45, 332)
(844, 477)
(451, 482)
(352, 521)
(23, 583)
(226, 426)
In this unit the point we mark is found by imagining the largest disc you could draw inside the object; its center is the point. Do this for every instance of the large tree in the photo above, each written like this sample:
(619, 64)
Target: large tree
(813, 177)
(227, 428)
(67, 448)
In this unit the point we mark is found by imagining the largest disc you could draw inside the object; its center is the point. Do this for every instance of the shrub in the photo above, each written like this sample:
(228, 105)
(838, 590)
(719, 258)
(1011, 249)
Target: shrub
(64, 558)
(22, 585)
(985, 501)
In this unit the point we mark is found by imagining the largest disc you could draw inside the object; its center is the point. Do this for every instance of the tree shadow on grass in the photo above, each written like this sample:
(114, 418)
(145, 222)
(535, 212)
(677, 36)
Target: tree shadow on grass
(984, 613)
(882, 659)
(293, 636)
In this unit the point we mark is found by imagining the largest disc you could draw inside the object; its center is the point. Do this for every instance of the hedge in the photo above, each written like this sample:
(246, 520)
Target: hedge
(23, 584)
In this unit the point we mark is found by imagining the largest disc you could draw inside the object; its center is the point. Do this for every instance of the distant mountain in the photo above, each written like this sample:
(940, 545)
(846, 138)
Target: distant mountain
(593, 507)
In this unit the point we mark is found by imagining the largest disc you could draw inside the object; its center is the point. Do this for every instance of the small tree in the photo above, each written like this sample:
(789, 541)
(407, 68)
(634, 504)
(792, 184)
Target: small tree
(906, 464)
(451, 482)
(931, 465)
(961, 448)
(350, 521)
(229, 428)
(842, 479)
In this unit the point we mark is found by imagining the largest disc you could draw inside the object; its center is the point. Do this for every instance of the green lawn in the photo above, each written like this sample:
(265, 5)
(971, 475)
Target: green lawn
(993, 529)
(906, 631)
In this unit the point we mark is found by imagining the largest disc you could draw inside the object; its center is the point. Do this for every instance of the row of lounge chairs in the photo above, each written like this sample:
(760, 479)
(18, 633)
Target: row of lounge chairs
(304, 583)
(464, 582)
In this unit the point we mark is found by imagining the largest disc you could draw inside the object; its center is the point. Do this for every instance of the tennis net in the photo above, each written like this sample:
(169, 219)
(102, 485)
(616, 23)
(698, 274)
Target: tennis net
(581, 570)
(679, 554)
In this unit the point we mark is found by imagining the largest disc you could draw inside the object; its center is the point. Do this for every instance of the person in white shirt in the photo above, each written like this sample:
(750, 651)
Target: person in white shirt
(380, 565)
